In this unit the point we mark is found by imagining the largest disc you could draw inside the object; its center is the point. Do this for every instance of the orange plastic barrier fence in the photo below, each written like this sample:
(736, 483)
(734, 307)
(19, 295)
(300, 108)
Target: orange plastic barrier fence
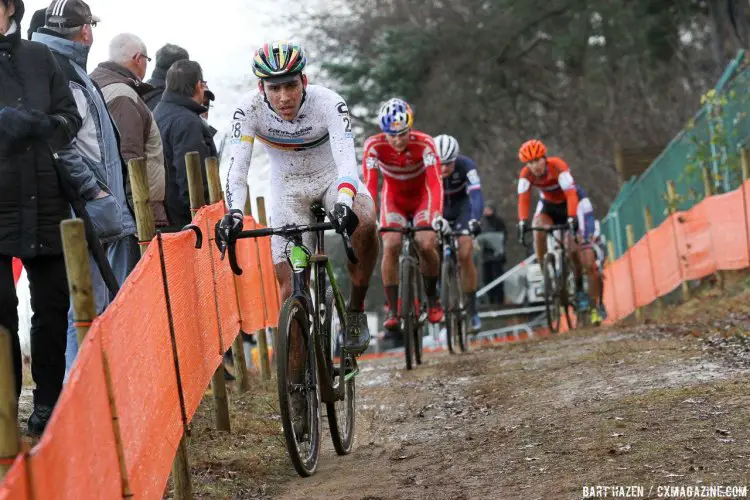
(712, 236)
(204, 307)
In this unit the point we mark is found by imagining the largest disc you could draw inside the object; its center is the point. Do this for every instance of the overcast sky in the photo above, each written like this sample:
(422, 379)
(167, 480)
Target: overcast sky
(220, 34)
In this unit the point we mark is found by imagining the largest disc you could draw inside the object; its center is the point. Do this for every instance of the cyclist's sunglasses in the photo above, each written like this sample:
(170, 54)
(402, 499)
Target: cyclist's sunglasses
(400, 134)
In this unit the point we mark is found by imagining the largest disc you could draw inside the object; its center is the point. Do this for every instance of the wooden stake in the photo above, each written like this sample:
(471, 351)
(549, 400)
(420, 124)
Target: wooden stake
(197, 200)
(248, 203)
(260, 335)
(144, 217)
(10, 437)
(195, 181)
(238, 351)
(707, 183)
(745, 164)
(76, 251)
(214, 182)
(78, 268)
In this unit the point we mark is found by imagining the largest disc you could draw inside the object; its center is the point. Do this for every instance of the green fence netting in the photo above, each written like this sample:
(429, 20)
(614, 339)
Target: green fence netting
(712, 140)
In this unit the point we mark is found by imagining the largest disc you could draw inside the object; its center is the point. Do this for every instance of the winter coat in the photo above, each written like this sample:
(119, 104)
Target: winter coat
(93, 159)
(182, 131)
(158, 81)
(32, 204)
(139, 134)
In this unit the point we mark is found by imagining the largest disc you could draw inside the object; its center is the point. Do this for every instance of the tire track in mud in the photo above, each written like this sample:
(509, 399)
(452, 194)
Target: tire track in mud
(534, 419)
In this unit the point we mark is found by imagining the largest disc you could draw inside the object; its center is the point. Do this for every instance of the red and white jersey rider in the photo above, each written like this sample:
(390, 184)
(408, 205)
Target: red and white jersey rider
(412, 185)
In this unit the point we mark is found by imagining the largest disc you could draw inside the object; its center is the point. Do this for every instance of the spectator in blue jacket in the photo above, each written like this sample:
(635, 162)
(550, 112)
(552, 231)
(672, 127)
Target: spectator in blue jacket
(93, 160)
(182, 129)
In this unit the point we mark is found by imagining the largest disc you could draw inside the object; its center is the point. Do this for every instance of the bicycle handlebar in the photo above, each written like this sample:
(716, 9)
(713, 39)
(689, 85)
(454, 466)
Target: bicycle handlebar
(288, 231)
(549, 229)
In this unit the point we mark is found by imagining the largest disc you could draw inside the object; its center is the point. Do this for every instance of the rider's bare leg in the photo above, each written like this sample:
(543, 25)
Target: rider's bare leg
(429, 261)
(540, 237)
(588, 259)
(466, 261)
(366, 247)
(389, 267)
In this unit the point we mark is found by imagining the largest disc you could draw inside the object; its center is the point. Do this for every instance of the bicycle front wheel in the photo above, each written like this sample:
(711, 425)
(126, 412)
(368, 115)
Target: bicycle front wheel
(407, 306)
(340, 413)
(551, 293)
(299, 395)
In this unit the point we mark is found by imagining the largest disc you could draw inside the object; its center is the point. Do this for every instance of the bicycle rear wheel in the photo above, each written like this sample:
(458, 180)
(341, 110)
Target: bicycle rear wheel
(567, 292)
(341, 413)
(299, 396)
(551, 293)
(420, 302)
(407, 306)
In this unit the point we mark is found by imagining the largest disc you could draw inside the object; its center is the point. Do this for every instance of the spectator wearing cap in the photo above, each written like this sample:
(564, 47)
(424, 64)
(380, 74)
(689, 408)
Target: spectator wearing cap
(165, 58)
(38, 117)
(120, 79)
(93, 161)
(183, 130)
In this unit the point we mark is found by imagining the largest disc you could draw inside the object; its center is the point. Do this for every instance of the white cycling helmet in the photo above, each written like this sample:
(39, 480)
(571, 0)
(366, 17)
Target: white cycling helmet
(447, 148)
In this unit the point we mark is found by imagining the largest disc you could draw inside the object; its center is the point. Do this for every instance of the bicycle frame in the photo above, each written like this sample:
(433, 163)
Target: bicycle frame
(321, 268)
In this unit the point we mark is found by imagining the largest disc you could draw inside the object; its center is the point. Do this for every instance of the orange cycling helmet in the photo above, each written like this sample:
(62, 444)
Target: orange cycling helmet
(532, 150)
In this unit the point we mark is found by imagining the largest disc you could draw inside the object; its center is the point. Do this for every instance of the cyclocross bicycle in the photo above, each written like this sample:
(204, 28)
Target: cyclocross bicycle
(412, 299)
(308, 370)
(451, 292)
(559, 280)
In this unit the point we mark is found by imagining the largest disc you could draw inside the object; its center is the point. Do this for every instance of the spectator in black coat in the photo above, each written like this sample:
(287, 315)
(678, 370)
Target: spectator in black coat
(183, 130)
(38, 117)
(165, 58)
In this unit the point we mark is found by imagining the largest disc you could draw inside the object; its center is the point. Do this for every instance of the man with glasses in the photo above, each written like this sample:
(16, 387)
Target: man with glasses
(182, 131)
(412, 190)
(120, 79)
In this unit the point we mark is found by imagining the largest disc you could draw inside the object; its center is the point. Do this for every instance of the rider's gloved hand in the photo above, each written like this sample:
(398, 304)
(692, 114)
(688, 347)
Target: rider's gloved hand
(231, 223)
(343, 219)
(521, 228)
(475, 227)
(441, 225)
(573, 223)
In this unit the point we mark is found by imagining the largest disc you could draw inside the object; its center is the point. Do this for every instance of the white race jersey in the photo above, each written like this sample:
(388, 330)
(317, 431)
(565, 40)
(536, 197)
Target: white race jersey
(307, 154)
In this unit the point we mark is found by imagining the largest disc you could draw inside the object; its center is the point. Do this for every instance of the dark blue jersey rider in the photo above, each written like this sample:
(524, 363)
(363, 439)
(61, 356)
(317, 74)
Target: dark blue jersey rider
(462, 207)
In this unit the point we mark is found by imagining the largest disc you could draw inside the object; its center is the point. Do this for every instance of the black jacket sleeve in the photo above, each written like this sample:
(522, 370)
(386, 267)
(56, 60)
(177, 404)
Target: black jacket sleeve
(63, 110)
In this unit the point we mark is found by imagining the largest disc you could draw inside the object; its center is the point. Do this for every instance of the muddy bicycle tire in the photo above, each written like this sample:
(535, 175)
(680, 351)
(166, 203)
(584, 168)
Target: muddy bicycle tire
(407, 306)
(293, 313)
(551, 293)
(341, 414)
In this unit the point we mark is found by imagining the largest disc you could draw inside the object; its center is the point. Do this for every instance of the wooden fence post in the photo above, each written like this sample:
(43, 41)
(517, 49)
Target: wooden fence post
(144, 217)
(260, 335)
(672, 208)
(10, 437)
(745, 164)
(238, 351)
(631, 243)
(218, 384)
(78, 268)
(248, 203)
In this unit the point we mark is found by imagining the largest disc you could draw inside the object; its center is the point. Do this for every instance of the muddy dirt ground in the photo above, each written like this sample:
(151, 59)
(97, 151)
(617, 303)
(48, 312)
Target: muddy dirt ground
(665, 403)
